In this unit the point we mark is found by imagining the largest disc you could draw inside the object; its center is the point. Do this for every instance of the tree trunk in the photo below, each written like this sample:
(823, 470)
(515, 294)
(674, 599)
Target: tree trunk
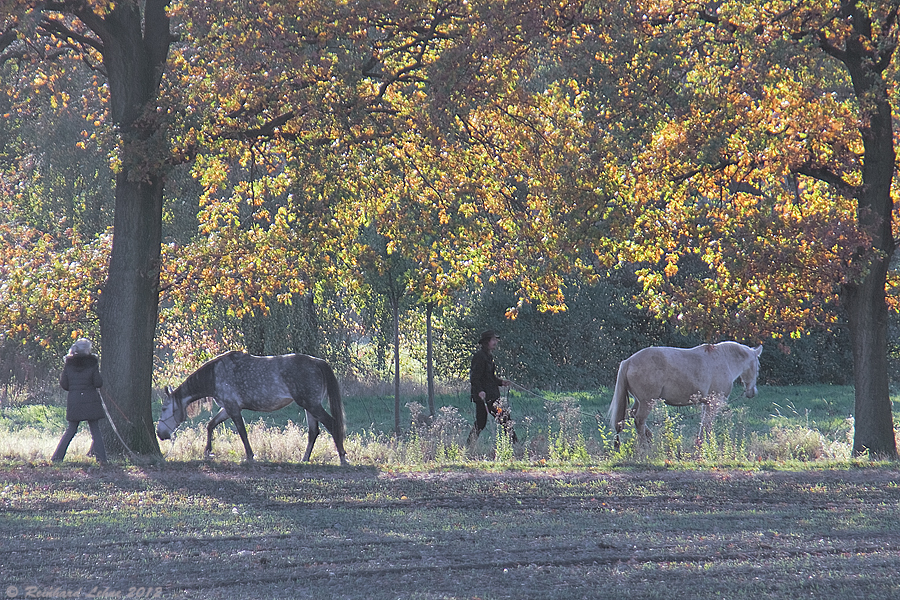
(395, 308)
(128, 316)
(429, 357)
(865, 300)
(135, 47)
(868, 319)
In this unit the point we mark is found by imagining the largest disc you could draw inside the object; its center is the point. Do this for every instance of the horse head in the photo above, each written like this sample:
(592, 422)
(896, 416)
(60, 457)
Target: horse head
(171, 416)
(748, 377)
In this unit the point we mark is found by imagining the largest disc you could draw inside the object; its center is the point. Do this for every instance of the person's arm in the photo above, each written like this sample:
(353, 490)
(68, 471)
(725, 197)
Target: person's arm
(64, 379)
(500, 381)
(476, 375)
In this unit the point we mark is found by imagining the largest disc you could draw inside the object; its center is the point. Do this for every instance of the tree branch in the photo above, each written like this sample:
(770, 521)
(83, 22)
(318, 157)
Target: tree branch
(6, 40)
(56, 27)
(826, 176)
(705, 15)
(266, 130)
(685, 176)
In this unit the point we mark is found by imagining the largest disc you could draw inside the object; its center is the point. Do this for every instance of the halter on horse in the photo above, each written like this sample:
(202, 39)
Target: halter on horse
(239, 381)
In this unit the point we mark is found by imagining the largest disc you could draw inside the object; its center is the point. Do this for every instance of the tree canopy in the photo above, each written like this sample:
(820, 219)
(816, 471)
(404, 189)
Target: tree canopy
(738, 155)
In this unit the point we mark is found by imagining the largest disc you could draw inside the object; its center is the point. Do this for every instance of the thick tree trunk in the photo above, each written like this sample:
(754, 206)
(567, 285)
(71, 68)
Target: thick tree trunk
(865, 300)
(136, 40)
(129, 311)
(868, 317)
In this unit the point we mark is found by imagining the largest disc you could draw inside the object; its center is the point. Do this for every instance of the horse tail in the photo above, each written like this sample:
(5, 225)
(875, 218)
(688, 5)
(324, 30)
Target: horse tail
(334, 401)
(619, 402)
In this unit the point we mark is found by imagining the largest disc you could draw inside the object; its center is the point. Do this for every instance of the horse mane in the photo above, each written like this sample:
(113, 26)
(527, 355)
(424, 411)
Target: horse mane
(201, 382)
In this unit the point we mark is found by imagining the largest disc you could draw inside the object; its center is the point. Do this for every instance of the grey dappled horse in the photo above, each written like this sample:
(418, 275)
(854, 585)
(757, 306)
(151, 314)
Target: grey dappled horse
(680, 377)
(240, 381)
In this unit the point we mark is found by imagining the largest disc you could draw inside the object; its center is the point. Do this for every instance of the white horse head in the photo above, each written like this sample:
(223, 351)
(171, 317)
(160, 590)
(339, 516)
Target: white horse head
(171, 416)
(749, 375)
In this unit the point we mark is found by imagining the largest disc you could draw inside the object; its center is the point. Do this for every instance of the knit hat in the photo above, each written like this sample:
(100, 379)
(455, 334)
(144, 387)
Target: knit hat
(81, 347)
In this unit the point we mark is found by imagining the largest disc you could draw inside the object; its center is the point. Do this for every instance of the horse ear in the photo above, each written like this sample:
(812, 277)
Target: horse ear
(758, 350)
(168, 390)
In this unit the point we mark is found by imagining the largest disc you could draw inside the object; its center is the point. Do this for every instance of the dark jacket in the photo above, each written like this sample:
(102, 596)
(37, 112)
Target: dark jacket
(81, 378)
(483, 377)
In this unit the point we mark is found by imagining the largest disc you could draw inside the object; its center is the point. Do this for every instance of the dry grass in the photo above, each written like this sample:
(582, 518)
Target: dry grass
(31, 444)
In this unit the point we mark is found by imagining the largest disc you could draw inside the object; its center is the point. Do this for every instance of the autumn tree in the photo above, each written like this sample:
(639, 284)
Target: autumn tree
(127, 42)
(766, 164)
(432, 100)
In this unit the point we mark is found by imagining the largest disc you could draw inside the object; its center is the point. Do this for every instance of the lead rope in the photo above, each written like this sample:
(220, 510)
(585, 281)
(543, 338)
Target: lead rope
(114, 428)
(522, 388)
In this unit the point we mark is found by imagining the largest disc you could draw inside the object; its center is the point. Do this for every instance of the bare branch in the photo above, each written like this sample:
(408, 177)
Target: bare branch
(826, 176)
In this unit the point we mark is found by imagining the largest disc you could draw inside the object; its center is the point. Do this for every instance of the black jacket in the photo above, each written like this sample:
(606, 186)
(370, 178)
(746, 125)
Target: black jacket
(483, 377)
(81, 378)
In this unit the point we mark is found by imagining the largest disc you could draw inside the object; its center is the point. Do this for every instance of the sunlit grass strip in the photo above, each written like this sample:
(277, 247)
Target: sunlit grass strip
(442, 442)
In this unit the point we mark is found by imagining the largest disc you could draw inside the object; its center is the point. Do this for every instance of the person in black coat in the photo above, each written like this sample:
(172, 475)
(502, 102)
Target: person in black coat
(81, 378)
(485, 387)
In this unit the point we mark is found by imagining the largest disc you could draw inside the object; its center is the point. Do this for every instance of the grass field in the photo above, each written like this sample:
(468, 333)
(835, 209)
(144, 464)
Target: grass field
(781, 423)
(224, 530)
(772, 508)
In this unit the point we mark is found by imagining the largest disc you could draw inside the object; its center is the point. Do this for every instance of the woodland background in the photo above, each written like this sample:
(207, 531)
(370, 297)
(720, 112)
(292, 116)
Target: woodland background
(371, 182)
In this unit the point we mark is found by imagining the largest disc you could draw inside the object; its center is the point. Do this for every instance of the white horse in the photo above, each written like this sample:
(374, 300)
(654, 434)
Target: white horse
(680, 377)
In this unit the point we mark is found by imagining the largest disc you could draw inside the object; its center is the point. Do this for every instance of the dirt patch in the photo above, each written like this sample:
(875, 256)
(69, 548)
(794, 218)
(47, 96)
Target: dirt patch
(203, 530)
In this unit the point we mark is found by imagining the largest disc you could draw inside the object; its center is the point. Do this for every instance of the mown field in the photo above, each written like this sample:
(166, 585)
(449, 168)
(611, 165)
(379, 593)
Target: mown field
(559, 516)
(219, 530)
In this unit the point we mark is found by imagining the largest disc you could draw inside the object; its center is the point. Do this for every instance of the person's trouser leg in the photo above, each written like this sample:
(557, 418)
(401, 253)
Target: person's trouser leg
(98, 447)
(64, 442)
(480, 421)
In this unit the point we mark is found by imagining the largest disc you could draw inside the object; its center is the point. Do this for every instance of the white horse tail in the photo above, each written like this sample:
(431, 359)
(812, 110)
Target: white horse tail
(334, 401)
(616, 414)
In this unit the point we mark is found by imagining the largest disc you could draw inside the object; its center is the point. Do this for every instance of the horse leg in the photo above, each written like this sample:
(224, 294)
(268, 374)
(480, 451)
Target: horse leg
(313, 425)
(707, 414)
(620, 426)
(328, 421)
(238, 421)
(220, 417)
(641, 411)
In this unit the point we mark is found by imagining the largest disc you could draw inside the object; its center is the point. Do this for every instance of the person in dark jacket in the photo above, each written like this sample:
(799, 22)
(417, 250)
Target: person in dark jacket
(81, 378)
(485, 387)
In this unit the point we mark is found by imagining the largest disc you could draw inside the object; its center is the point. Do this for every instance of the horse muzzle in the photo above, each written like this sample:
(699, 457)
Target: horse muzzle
(750, 393)
(163, 434)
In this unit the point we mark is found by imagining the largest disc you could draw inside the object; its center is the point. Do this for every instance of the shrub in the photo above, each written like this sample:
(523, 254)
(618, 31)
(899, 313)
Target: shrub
(789, 443)
(567, 442)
